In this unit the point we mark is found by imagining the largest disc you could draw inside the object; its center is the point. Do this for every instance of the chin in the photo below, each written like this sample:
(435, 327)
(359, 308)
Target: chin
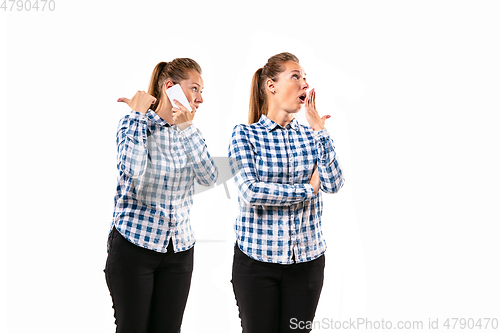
(294, 110)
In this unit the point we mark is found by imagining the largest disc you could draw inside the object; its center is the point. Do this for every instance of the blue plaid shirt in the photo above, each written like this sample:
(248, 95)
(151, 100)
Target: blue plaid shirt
(157, 166)
(279, 214)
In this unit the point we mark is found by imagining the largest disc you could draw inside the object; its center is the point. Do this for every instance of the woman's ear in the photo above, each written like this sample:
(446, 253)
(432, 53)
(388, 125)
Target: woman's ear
(169, 84)
(270, 86)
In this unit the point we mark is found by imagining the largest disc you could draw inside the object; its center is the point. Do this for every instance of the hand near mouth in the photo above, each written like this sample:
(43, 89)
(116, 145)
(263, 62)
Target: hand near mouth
(316, 122)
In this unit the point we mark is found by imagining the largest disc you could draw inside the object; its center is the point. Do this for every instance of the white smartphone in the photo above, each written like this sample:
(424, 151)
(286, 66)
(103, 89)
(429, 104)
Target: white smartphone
(176, 93)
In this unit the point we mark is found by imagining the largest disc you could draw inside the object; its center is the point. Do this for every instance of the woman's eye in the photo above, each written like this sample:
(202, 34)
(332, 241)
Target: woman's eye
(194, 89)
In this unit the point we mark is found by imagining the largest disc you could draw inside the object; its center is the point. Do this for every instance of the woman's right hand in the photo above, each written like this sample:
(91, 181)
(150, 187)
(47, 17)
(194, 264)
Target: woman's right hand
(315, 181)
(141, 102)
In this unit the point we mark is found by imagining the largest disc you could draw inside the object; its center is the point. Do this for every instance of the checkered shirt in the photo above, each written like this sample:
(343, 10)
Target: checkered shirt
(279, 214)
(157, 166)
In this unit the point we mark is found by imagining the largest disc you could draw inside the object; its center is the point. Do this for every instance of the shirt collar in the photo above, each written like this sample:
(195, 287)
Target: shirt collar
(155, 119)
(270, 125)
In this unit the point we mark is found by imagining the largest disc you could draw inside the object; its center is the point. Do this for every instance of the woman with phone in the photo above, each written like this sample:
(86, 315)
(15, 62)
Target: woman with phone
(279, 167)
(151, 243)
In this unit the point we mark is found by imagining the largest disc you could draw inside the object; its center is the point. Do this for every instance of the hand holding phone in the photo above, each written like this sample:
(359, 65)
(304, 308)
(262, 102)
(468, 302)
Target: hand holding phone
(175, 92)
(183, 118)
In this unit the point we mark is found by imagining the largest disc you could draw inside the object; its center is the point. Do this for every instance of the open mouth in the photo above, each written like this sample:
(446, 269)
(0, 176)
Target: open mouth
(303, 97)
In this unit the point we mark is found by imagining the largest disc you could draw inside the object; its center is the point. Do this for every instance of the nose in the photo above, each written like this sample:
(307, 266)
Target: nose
(199, 98)
(305, 85)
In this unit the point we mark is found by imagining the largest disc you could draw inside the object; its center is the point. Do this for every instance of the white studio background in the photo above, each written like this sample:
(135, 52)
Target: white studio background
(412, 88)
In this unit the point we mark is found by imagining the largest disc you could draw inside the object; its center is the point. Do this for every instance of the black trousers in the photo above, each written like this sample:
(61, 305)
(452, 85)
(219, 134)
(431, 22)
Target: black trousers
(149, 289)
(273, 298)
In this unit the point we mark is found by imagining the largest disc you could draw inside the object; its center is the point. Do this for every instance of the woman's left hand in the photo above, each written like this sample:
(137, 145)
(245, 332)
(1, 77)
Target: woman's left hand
(183, 118)
(315, 121)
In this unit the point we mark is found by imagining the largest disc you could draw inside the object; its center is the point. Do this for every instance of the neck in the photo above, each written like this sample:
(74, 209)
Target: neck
(280, 116)
(164, 110)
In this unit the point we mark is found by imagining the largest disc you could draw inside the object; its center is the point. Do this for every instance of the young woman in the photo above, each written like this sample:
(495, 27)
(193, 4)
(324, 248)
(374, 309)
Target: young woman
(150, 246)
(279, 168)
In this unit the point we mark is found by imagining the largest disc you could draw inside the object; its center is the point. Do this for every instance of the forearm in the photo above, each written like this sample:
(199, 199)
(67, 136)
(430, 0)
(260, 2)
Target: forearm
(271, 194)
(329, 169)
(132, 145)
(196, 150)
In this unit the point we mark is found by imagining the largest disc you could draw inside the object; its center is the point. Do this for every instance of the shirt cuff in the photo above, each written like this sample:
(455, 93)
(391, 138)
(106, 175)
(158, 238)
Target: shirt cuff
(137, 115)
(318, 135)
(309, 191)
(137, 130)
(190, 131)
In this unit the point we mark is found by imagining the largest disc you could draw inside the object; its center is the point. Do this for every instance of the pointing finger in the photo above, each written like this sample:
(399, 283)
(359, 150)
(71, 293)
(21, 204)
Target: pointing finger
(123, 100)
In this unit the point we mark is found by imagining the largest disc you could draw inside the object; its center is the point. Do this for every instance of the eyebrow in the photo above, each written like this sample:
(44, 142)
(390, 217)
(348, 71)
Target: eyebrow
(297, 71)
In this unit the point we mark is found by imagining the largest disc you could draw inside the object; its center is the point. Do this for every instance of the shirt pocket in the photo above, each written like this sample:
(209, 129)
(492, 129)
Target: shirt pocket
(304, 162)
(270, 168)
